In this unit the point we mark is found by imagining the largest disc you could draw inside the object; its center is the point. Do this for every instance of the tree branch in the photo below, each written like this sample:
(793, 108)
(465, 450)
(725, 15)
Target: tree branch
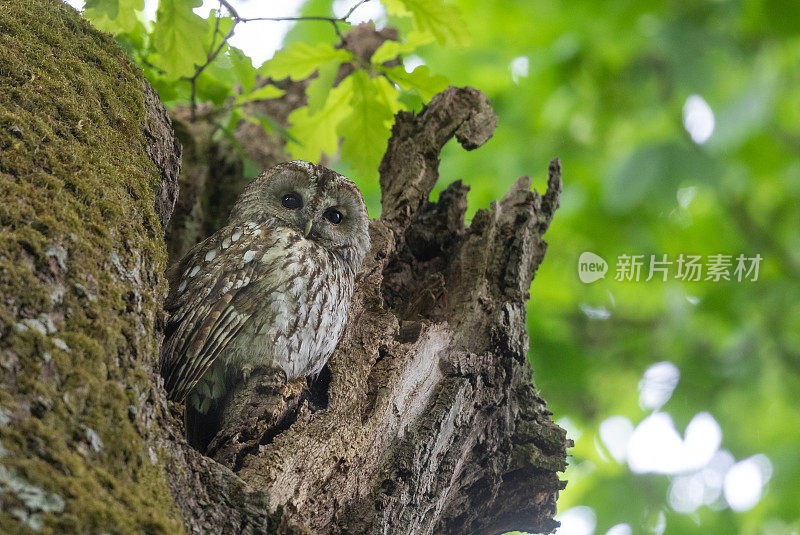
(333, 20)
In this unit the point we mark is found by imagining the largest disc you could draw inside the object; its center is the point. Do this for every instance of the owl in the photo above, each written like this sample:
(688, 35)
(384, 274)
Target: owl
(271, 289)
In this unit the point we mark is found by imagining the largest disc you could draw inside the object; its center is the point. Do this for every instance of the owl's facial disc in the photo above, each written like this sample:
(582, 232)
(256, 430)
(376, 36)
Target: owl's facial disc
(316, 202)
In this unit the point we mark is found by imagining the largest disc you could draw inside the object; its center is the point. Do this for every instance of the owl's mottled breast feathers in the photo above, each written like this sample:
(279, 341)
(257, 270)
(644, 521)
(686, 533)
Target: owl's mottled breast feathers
(260, 292)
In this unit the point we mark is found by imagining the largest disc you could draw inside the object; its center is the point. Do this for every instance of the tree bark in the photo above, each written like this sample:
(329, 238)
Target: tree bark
(425, 419)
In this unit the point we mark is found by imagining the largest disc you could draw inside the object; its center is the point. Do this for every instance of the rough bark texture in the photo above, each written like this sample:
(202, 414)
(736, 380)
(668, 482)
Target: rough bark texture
(425, 419)
(87, 176)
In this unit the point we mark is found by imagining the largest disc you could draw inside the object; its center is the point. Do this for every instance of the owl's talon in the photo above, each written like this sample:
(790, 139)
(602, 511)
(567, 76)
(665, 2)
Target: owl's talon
(247, 370)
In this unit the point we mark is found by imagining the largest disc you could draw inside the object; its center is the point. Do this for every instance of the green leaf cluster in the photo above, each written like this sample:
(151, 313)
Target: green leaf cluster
(188, 60)
(360, 109)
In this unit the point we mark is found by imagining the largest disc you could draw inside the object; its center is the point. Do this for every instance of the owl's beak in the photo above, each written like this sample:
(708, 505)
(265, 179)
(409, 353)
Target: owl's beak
(308, 227)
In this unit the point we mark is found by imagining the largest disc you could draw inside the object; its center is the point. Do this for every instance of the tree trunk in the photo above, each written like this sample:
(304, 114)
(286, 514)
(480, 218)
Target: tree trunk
(425, 419)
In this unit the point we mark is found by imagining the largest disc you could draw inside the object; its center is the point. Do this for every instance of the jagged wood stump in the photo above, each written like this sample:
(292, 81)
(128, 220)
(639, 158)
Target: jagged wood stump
(431, 423)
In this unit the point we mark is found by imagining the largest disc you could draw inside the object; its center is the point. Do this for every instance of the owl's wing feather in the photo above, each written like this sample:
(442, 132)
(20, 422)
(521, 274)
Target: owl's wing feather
(211, 299)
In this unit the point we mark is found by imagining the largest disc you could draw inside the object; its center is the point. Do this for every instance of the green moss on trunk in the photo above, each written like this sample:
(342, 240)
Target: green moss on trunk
(81, 263)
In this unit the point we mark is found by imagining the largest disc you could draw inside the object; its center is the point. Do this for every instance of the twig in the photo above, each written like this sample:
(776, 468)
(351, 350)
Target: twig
(334, 21)
(232, 11)
(211, 57)
(216, 30)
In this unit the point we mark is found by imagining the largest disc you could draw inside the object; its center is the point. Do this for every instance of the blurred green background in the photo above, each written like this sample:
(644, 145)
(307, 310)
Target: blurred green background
(678, 126)
(606, 87)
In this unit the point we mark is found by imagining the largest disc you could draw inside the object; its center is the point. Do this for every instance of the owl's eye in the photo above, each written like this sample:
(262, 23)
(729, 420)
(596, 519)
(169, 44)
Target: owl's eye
(292, 201)
(333, 215)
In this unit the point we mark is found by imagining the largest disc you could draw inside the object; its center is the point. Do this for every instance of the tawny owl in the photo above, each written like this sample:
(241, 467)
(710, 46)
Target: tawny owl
(272, 288)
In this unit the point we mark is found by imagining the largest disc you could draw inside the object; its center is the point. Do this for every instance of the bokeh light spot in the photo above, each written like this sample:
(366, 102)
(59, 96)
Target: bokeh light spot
(698, 119)
(579, 520)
